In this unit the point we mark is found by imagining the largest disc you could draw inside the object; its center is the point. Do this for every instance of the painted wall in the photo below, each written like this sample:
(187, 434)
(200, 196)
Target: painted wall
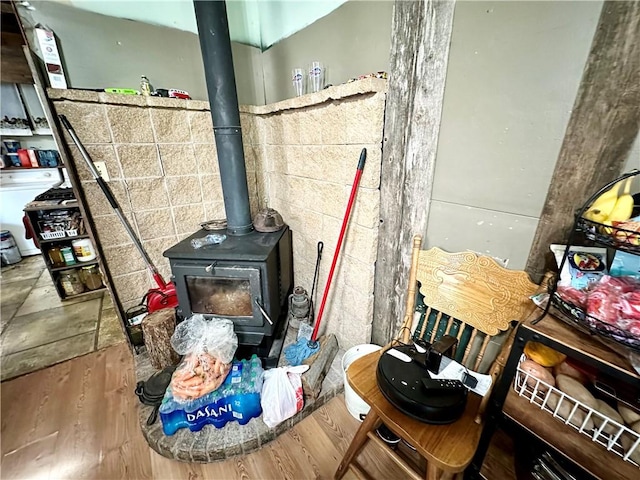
(513, 74)
(101, 51)
(353, 40)
(280, 19)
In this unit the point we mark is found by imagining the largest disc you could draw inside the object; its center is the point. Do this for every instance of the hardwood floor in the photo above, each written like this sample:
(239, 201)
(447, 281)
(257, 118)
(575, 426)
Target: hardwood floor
(78, 420)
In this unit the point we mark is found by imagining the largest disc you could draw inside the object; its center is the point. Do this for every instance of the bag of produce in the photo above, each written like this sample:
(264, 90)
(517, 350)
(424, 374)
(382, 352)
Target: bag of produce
(208, 347)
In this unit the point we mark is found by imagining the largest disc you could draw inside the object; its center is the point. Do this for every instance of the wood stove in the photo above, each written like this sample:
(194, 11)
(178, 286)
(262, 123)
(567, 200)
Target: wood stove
(246, 279)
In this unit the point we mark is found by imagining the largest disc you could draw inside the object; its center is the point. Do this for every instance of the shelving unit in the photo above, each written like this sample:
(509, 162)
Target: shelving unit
(79, 264)
(507, 406)
(76, 237)
(567, 441)
(17, 169)
(602, 346)
(35, 211)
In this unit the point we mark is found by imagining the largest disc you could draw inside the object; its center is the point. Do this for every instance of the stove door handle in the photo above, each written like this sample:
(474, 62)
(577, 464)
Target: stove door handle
(264, 313)
(209, 268)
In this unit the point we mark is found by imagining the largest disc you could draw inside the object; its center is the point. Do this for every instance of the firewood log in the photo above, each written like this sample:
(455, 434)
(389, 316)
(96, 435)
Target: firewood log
(157, 328)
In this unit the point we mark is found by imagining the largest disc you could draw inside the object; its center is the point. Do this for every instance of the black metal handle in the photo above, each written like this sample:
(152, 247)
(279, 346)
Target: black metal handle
(139, 389)
(107, 193)
(153, 416)
(65, 122)
(363, 158)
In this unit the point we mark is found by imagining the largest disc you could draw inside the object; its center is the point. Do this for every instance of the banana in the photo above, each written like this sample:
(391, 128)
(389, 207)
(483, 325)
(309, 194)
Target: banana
(624, 205)
(608, 230)
(595, 215)
(602, 207)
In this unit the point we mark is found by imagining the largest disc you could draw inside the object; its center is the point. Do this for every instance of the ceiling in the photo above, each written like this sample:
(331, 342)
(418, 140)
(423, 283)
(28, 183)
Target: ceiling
(260, 23)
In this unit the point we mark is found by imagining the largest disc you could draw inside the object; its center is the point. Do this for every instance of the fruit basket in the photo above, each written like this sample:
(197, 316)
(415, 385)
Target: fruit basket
(610, 235)
(577, 317)
(610, 218)
(611, 435)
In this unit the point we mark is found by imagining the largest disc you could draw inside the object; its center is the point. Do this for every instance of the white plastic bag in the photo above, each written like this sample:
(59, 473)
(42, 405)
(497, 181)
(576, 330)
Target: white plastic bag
(215, 337)
(282, 394)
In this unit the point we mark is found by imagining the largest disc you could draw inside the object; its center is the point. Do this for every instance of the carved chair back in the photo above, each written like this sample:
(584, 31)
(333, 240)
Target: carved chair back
(466, 295)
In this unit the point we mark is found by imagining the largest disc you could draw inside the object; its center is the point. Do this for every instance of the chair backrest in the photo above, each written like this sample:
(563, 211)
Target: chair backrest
(466, 295)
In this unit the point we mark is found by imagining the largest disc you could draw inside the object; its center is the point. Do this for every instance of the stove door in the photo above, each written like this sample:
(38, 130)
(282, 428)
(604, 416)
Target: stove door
(223, 291)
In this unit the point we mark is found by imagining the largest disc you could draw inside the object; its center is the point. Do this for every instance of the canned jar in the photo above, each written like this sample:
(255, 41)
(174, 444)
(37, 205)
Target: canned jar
(71, 283)
(90, 276)
(55, 255)
(83, 248)
(67, 255)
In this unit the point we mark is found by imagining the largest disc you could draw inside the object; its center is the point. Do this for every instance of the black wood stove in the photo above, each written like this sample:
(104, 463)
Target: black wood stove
(246, 279)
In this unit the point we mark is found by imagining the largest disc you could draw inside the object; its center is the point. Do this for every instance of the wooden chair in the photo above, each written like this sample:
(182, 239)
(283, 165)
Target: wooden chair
(472, 298)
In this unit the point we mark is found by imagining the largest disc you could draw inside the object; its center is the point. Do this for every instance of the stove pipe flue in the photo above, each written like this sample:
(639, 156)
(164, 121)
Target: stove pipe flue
(215, 43)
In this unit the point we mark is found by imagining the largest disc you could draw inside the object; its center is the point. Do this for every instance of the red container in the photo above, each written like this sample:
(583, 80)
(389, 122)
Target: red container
(23, 155)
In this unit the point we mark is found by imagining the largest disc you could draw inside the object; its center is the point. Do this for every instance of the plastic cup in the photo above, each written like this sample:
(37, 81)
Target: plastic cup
(316, 73)
(297, 77)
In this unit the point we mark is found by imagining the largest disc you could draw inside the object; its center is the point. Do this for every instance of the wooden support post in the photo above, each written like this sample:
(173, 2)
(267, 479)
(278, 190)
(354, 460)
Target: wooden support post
(157, 328)
(603, 125)
(421, 34)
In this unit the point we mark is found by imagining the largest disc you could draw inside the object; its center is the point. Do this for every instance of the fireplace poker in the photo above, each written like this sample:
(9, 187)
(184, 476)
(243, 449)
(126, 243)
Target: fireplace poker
(315, 281)
(165, 295)
(297, 352)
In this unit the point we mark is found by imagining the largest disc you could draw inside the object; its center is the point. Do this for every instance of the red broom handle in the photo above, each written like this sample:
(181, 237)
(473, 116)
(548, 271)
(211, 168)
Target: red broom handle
(345, 222)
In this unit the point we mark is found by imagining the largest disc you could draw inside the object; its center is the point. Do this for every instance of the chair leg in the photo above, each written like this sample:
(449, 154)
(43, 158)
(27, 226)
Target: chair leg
(371, 422)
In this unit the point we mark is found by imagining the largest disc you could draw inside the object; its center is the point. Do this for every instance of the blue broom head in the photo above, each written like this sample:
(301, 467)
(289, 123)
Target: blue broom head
(298, 352)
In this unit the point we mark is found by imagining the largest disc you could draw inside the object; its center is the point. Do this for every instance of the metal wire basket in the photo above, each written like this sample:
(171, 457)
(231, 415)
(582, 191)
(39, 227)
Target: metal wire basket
(611, 435)
(576, 316)
(614, 237)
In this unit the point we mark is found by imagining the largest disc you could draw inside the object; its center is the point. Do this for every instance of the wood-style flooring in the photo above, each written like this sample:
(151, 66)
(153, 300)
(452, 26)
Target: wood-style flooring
(38, 330)
(78, 420)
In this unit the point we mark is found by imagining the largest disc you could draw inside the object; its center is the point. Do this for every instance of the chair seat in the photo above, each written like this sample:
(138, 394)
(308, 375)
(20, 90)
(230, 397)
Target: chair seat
(449, 447)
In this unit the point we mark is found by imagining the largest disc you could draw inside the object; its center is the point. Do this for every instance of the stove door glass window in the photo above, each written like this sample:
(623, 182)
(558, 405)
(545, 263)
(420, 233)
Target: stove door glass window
(222, 296)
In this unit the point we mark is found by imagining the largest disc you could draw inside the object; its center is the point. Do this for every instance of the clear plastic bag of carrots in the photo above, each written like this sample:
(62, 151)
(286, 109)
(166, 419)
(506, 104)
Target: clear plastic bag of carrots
(208, 346)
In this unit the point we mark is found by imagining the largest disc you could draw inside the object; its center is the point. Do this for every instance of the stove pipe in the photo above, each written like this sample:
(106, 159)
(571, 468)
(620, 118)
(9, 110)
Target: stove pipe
(215, 43)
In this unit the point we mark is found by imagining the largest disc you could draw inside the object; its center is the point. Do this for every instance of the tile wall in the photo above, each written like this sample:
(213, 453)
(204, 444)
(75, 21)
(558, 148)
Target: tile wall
(301, 157)
(311, 148)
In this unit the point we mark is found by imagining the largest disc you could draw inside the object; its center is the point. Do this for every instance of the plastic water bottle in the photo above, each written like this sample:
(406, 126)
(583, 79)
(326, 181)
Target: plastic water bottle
(211, 239)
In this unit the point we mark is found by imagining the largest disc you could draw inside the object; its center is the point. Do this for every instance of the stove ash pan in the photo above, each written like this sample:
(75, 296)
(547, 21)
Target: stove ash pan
(246, 279)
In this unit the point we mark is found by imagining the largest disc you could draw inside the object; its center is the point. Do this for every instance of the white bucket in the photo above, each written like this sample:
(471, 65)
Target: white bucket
(355, 404)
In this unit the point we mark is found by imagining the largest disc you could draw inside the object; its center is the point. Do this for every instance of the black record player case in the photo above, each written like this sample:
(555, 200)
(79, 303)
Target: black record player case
(403, 385)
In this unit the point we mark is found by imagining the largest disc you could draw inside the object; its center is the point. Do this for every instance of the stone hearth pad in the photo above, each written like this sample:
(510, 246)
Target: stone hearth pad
(212, 444)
